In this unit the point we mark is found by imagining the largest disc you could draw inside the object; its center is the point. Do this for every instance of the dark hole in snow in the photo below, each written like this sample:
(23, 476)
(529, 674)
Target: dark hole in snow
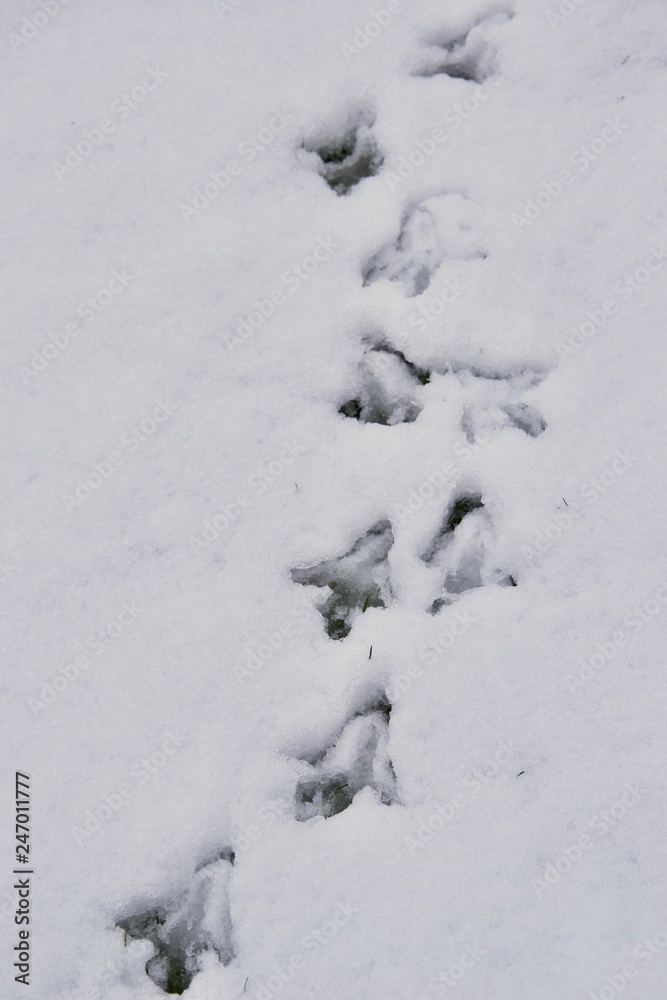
(464, 505)
(327, 796)
(337, 155)
(353, 408)
(345, 163)
(226, 854)
(368, 409)
(167, 968)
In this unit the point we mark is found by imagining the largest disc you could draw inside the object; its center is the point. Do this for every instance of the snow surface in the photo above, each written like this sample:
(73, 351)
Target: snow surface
(170, 684)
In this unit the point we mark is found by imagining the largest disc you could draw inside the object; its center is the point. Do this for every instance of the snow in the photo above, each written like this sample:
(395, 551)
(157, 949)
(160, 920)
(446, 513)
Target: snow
(316, 274)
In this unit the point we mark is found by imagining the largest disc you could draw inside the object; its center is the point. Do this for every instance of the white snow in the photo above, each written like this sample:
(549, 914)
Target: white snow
(193, 288)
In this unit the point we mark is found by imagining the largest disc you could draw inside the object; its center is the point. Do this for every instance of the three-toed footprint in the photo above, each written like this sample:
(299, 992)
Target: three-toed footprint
(183, 928)
(357, 580)
(438, 228)
(461, 551)
(359, 758)
(464, 54)
(388, 387)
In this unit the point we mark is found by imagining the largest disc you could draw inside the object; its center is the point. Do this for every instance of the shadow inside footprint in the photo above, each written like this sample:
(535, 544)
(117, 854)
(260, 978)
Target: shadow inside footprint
(343, 163)
(462, 61)
(359, 759)
(357, 580)
(412, 259)
(526, 418)
(494, 403)
(468, 56)
(461, 550)
(197, 921)
(462, 506)
(432, 231)
(478, 424)
(389, 383)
